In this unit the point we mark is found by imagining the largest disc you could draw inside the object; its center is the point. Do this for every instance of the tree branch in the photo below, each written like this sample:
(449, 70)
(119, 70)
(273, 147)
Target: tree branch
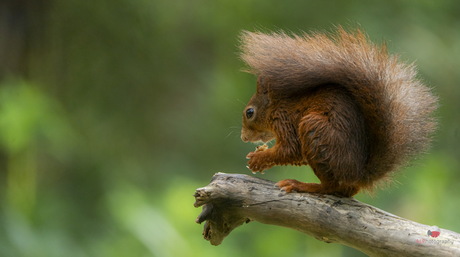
(233, 199)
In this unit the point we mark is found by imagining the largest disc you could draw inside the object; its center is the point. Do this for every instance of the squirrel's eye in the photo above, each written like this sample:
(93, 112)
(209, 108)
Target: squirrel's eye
(249, 113)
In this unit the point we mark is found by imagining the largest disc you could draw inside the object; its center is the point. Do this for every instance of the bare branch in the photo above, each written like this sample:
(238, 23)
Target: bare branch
(233, 199)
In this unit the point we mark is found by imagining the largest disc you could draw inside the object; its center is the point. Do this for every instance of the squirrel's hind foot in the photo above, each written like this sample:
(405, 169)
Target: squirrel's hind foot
(292, 185)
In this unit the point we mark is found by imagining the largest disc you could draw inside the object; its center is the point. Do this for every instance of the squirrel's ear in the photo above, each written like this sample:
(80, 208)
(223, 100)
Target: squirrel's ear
(262, 86)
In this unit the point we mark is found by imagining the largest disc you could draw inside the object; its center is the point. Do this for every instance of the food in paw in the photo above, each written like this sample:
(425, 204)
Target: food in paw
(261, 148)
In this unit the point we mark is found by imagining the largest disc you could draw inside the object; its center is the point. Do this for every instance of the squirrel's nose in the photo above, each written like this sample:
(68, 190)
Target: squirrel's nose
(244, 138)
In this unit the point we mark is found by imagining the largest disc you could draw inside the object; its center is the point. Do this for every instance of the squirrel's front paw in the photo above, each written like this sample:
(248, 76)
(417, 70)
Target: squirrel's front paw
(259, 161)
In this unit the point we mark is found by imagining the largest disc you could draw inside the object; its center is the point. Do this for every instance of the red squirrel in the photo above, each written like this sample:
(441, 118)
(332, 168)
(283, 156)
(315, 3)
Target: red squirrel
(336, 102)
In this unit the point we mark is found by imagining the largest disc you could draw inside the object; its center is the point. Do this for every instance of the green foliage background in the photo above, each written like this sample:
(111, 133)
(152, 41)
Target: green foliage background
(121, 109)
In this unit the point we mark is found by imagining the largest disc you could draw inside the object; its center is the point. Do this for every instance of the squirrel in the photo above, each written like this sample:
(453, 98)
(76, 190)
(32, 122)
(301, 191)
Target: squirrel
(336, 102)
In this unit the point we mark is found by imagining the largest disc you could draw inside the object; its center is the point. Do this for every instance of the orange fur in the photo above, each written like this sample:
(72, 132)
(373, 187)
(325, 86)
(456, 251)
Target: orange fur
(339, 103)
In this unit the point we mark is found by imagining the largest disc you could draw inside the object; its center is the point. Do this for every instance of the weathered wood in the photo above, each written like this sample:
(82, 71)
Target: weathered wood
(233, 199)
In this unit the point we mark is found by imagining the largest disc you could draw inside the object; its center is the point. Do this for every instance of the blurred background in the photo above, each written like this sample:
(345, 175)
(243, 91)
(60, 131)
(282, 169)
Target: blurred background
(112, 113)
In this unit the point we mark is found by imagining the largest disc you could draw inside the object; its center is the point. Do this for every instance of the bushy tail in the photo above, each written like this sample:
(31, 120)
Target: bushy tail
(397, 107)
